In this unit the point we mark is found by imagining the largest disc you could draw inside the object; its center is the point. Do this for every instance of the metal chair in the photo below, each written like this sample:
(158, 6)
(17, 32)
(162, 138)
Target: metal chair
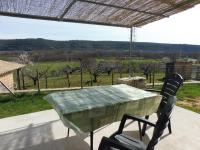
(120, 141)
(169, 88)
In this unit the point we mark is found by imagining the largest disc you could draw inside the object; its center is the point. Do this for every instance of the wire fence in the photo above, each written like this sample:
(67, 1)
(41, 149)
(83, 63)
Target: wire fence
(96, 73)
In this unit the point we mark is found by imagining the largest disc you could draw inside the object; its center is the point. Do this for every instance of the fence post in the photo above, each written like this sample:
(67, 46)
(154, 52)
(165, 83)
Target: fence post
(68, 80)
(91, 80)
(38, 81)
(120, 74)
(23, 80)
(112, 77)
(18, 80)
(150, 77)
(153, 78)
(81, 77)
(46, 81)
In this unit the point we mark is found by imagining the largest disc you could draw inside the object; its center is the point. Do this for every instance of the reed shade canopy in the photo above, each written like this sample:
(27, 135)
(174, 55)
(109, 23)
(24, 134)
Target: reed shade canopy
(122, 13)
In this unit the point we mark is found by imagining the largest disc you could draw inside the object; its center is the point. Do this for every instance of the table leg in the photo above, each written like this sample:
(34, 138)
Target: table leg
(68, 132)
(91, 140)
(144, 126)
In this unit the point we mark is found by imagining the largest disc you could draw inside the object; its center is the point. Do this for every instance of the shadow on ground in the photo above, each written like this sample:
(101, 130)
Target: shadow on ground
(39, 137)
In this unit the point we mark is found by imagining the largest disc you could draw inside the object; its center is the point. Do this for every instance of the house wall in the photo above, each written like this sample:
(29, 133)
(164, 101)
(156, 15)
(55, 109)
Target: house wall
(8, 80)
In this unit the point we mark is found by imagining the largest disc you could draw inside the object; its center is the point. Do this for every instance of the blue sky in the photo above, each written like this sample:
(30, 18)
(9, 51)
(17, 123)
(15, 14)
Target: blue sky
(181, 28)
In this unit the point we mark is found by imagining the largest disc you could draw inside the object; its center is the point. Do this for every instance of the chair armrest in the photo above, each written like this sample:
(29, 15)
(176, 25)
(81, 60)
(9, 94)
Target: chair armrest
(143, 120)
(134, 118)
(107, 142)
(153, 90)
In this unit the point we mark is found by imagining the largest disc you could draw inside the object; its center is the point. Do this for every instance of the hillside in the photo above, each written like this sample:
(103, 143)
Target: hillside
(43, 44)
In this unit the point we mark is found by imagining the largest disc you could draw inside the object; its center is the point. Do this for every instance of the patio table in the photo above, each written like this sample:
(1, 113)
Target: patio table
(86, 110)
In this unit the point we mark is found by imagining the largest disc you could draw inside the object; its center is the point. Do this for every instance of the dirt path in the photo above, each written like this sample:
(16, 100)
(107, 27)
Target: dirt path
(191, 103)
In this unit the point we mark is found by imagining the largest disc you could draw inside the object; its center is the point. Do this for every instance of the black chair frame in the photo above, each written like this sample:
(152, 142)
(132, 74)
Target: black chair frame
(161, 124)
(169, 88)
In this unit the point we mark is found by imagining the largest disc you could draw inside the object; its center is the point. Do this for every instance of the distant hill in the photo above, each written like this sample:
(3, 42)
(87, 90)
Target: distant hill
(43, 44)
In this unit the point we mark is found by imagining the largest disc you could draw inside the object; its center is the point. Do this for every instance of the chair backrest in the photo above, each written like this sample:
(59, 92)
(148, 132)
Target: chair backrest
(170, 88)
(162, 122)
(171, 85)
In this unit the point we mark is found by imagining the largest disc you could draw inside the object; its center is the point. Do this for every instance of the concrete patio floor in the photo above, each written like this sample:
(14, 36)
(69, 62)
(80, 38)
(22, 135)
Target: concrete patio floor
(44, 131)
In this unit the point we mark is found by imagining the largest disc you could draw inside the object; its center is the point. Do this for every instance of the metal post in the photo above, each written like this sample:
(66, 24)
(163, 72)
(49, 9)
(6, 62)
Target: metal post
(144, 126)
(130, 49)
(150, 77)
(120, 74)
(23, 81)
(131, 42)
(18, 80)
(81, 77)
(153, 78)
(81, 70)
(91, 140)
(38, 81)
(68, 132)
(112, 77)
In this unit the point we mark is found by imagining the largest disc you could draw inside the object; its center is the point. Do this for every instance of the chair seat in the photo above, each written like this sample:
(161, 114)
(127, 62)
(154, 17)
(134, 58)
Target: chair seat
(134, 144)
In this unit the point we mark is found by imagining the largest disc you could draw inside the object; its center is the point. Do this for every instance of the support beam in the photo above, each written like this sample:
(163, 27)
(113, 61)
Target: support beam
(150, 18)
(67, 9)
(130, 50)
(58, 19)
(119, 7)
(131, 42)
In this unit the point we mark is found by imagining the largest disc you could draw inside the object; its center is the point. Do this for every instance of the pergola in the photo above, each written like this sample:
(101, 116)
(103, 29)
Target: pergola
(119, 13)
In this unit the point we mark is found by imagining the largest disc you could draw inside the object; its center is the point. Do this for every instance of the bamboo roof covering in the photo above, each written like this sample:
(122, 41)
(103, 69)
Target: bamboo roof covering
(122, 13)
(6, 66)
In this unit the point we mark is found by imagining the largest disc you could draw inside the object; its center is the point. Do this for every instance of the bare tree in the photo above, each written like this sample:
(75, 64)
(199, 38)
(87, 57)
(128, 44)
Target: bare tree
(132, 68)
(26, 59)
(106, 67)
(67, 71)
(147, 69)
(35, 72)
(46, 75)
(119, 67)
(90, 64)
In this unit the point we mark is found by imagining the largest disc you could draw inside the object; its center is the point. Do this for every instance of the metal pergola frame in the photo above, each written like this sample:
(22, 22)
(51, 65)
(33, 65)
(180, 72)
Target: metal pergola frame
(61, 17)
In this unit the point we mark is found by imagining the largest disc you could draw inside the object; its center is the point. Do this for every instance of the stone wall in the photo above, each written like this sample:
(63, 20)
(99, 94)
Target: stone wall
(183, 68)
(138, 82)
(8, 80)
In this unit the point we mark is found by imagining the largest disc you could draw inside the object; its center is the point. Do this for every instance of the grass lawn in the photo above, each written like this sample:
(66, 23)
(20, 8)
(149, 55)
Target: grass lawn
(22, 104)
(188, 95)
